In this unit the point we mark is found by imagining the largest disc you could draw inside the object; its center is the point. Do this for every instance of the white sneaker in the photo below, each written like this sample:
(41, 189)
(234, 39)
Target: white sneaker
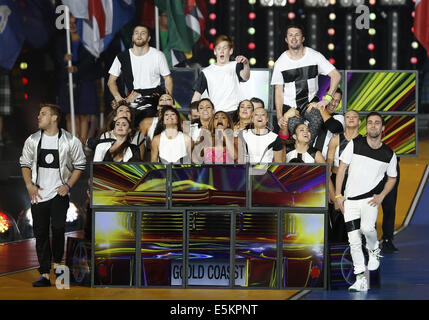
(374, 259)
(360, 284)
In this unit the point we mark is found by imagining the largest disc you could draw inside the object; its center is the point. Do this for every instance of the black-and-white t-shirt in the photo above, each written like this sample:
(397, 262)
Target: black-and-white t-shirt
(222, 84)
(48, 162)
(367, 168)
(321, 142)
(147, 69)
(300, 77)
(308, 157)
(260, 147)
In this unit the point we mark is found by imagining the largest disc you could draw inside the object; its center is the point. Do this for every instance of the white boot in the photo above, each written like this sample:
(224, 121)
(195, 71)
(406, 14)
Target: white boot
(374, 259)
(360, 284)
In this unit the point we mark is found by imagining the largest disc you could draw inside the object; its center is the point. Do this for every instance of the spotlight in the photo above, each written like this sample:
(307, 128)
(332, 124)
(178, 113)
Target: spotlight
(212, 60)
(346, 3)
(414, 44)
(266, 3)
(251, 31)
(332, 16)
(413, 60)
(372, 61)
(371, 31)
(310, 3)
(252, 61)
(271, 63)
(280, 3)
(323, 3)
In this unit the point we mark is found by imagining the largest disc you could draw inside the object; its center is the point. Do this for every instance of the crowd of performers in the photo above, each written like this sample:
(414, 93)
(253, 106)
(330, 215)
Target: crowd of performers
(222, 128)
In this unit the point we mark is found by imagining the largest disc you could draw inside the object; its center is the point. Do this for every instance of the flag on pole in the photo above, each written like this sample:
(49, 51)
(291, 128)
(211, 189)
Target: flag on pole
(421, 23)
(182, 30)
(198, 9)
(102, 19)
(11, 34)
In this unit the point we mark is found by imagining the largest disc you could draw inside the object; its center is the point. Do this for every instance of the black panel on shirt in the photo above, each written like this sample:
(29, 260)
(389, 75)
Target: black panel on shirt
(238, 68)
(361, 147)
(300, 77)
(277, 144)
(41, 162)
(201, 84)
(299, 74)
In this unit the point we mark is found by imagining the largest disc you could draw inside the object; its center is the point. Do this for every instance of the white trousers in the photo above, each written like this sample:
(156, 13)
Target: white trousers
(353, 211)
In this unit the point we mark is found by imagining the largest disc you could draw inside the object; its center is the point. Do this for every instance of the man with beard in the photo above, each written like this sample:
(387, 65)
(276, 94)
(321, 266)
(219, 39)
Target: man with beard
(367, 160)
(295, 80)
(141, 67)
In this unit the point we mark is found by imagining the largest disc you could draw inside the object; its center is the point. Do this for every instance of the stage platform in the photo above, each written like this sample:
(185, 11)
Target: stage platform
(404, 275)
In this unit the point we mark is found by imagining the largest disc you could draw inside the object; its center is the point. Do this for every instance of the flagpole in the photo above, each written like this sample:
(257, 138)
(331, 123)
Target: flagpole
(69, 64)
(157, 27)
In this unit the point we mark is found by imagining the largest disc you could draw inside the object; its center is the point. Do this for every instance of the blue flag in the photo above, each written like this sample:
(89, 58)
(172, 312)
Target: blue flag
(11, 33)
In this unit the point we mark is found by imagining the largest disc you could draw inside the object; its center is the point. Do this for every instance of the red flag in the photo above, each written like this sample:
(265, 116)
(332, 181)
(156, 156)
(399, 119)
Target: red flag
(421, 23)
(148, 13)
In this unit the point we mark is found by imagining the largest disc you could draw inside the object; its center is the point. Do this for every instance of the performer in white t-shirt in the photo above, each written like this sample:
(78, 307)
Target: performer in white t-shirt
(367, 160)
(141, 67)
(222, 79)
(170, 144)
(295, 80)
(261, 144)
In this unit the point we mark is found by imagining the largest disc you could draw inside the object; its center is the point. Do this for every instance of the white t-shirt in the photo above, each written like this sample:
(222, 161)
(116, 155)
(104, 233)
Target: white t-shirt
(299, 77)
(222, 84)
(367, 166)
(48, 177)
(308, 157)
(260, 148)
(172, 150)
(147, 69)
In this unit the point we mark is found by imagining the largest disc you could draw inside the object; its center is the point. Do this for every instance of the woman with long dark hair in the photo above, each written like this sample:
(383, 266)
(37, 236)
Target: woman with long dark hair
(220, 147)
(120, 149)
(243, 116)
(170, 144)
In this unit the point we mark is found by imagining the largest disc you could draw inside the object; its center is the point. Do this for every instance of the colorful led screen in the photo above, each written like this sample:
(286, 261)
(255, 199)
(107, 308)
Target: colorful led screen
(114, 248)
(209, 185)
(256, 248)
(119, 184)
(288, 185)
(399, 133)
(303, 250)
(381, 91)
(161, 249)
(209, 250)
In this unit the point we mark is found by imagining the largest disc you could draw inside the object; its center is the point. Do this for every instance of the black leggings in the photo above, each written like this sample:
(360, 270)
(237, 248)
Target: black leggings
(52, 212)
